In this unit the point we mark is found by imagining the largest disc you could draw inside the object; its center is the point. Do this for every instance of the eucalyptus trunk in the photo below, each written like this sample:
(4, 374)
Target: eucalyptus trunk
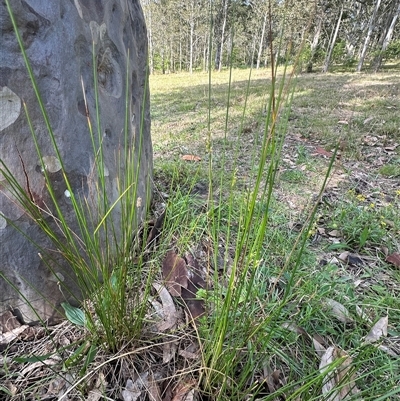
(369, 34)
(332, 42)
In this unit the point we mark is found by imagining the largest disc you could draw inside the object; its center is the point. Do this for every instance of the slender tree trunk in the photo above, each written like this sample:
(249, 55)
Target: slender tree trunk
(332, 43)
(314, 44)
(171, 52)
(180, 51)
(220, 40)
(191, 48)
(387, 36)
(369, 34)
(260, 47)
(205, 52)
(222, 36)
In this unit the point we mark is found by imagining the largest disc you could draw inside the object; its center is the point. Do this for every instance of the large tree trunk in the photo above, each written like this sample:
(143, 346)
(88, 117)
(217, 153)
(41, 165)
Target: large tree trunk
(369, 34)
(332, 42)
(59, 37)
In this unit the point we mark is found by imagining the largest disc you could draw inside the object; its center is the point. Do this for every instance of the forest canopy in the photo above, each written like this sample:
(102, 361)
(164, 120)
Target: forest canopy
(355, 33)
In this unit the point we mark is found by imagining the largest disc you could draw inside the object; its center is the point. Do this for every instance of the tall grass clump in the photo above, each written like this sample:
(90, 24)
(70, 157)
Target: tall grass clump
(99, 252)
(252, 344)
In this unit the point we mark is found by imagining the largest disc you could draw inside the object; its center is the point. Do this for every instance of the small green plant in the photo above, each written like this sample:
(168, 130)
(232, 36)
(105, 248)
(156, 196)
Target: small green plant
(390, 170)
(293, 176)
(363, 223)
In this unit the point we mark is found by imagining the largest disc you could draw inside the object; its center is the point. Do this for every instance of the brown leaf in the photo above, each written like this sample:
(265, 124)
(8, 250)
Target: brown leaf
(338, 383)
(168, 311)
(338, 311)
(319, 348)
(390, 148)
(169, 351)
(8, 322)
(192, 158)
(344, 256)
(184, 391)
(196, 306)
(272, 379)
(322, 152)
(98, 391)
(153, 389)
(188, 355)
(132, 390)
(378, 330)
(175, 273)
(156, 229)
(394, 259)
(6, 338)
(196, 282)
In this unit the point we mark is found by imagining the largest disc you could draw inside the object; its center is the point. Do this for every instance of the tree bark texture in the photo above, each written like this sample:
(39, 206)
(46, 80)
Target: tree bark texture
(58, 37)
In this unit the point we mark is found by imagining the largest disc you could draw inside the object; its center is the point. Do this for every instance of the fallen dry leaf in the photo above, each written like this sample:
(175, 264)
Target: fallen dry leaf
(52, 360)
(388, 351)
(319, 348)
(192, 158)
(378, 330)
(168, 310)
(322, 152)
(184, 391)
(339, 383)
(343, 256)
(153, 389)
(8, 322)
(94, 395)
(338, 311)
(97, 392)
(272, 379)
(131, 392)
(394, 259)
(196, 306)
(175, 273)
(390, 148)
(169, 351)
(6, 338)
(156, 229)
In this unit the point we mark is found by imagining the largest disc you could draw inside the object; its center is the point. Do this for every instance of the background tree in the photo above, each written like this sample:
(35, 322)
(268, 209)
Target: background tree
(355, 33)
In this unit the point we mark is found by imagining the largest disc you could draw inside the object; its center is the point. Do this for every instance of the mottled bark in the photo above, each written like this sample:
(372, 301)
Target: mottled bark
(58, 37)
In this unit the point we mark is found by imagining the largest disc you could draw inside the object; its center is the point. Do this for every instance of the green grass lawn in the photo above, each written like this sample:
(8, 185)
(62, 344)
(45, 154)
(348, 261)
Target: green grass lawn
(296, 288)
(355, 227)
